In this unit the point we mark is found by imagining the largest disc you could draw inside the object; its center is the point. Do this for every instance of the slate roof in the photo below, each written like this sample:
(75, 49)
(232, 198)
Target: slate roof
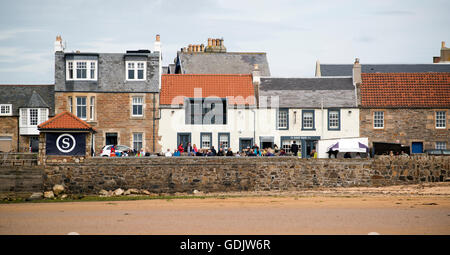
(405, 90)
(65, 121)
(111, 73)
(237, 88)
(38, 96)
(346, 70)
(222, 63)
(307, 92)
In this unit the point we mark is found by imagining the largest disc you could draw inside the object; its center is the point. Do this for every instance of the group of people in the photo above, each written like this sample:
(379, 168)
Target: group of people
(194, 151)
(253, 151)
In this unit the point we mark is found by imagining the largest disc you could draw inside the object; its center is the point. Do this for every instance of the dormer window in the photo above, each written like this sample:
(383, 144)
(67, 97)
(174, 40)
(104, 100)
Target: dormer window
(81, 70)
(136, 70)
(5, 109)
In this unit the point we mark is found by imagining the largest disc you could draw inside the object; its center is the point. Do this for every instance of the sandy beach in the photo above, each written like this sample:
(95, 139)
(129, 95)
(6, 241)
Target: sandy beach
(412, 209)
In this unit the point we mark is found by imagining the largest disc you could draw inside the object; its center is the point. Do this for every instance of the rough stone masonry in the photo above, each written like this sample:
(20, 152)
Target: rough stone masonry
(221, 174)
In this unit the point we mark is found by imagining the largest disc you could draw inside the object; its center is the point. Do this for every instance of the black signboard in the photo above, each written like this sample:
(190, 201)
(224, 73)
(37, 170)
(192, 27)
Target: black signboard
(73, 144)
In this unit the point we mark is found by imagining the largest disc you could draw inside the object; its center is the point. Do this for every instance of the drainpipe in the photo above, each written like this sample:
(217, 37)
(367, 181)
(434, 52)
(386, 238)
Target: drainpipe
(18, 133)
(153, 122)
(254, 126)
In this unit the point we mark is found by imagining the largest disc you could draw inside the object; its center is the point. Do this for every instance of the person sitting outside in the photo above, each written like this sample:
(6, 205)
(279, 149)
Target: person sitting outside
(221, 152)
(347, 155)
(168, 153)
(230, 152)
(213, 151)
(282, 152)
(251, 153)
(181, 148)
(209, 153)
(195, 149)
(176, 153)
(276, 150)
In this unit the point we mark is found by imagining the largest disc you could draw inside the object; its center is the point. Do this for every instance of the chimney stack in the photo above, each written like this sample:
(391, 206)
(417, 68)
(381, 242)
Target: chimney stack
(256, 74)
(356, 72)
(58, 46)
(157, 45)
(318, 73)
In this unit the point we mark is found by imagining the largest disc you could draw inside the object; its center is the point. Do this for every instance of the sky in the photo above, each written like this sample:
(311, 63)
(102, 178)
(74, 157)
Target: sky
(294, 34)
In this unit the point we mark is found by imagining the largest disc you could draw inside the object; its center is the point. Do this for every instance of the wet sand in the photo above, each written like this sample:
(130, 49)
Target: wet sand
(318, 212)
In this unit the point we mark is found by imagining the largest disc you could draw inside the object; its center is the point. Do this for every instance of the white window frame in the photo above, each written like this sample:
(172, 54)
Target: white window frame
(137, 140)
(221, 141)
(91, 65)
(3, 108)
(374, 119)
(136, 68)
(85, 105)
(43, 115)
(283, 118)
(440, 145)
(133, 103)
(92, 108)
(31, 116)
(209, 140)
(438, 121)
(25, 116)
(333, 119)
(70, 99)
(308, 121)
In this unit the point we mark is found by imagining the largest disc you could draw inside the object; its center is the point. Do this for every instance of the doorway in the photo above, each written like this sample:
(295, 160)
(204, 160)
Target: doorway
(111, 139)
(34, 143)
(244, 143)
(184, 138)
(417, 147)
(309, 146)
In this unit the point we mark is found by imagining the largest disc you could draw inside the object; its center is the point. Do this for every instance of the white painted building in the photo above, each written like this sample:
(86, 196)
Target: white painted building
(289, 109)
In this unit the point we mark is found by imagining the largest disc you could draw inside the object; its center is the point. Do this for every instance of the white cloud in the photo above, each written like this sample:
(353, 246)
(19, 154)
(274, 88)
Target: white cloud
(12, 33)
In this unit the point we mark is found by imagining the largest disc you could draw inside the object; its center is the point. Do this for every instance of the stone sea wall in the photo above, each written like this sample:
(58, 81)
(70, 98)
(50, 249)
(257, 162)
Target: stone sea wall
(221, 174)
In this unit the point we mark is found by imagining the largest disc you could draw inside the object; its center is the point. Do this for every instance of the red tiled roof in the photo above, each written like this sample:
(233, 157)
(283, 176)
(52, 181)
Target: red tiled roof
(429, 90)
(238, 88)
(65, 120)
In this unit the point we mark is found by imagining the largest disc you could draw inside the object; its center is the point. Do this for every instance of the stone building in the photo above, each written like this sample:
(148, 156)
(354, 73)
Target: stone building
(306, 110)
(207, 110)
(22, 109)
(408, 108)
(323, 70)
(214, 59)
(116, 93)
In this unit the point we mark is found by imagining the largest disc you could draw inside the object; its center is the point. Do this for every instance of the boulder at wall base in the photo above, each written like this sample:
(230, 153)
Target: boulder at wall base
(49, 194)
(118, 192)
(35, 196)
(103, 193)
(58, 189)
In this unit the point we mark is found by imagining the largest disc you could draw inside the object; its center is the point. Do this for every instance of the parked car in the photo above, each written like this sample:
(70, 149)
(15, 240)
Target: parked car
(106, 150)
(438, 152)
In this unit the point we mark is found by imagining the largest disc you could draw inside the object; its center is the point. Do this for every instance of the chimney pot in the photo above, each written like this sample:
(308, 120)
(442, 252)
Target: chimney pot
(356, 60)
(209, 42)
(443, 44)
(256, 66)
(157, 38)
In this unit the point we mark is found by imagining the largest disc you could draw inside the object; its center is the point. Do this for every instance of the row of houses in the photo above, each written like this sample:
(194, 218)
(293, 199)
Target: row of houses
(211, 97)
